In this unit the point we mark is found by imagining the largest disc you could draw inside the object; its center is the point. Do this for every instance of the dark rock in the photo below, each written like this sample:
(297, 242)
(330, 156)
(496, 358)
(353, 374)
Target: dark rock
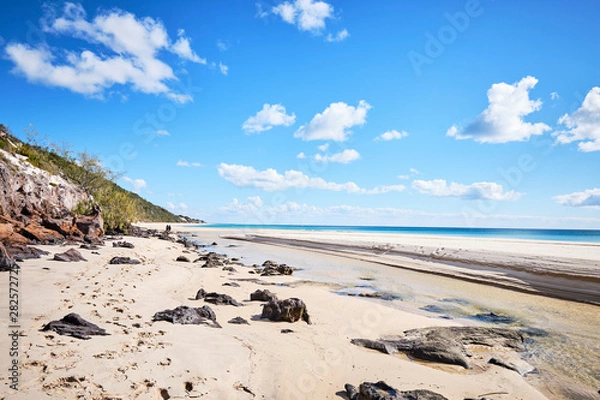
(23, 252)
(221, 299)
(238, 320)
(433, 309)
(188, 315)
(379, 295)
(89, 247)
(445, 344)
(124, 244)
(183, 259)
(73, 325)
(383, 391)
(270, 268)
(229, 269)
(214, 244)
(287, 331)
(493, 318)
(91, 225)
(70, 255)
(288, 310)
(200, 294)
(123, 260)
(263, 295)
(232, 284)
(6, 261)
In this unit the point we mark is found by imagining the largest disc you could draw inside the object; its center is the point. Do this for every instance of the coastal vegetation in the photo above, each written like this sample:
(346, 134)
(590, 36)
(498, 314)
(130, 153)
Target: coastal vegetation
(120, 207)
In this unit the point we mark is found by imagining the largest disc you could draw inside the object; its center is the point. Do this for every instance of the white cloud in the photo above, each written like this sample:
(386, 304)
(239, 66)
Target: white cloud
(475, 191)
(502, 121)
(180, 207)
(271, 180)
(301, 156)
(183, 49)
(344, 157)
(302, 213)
(340, 36)
(163, 132)
(267, 118)
(413, 171)
(323, 147)
(188, 164)
(222, 45)
(307, 15)
(583, 125)
(256, 201)
(391, 135)
(554, 96)
(137, 184)
(589, 198)
(334, 122)
(129, 57)
(223, 68)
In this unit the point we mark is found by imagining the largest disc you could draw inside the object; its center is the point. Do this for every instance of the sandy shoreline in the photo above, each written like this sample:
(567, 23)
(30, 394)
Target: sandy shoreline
(157, 360)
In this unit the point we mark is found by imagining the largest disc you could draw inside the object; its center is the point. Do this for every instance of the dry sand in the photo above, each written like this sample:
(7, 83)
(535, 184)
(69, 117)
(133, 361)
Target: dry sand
(142, 359)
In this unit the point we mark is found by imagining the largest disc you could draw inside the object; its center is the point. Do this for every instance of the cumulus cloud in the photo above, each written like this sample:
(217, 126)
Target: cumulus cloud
(583, 125)
(223, 68)
(338, 37)
(589, 198)
(301, 156)
(267, 118)
(334, 122)
(503, 120)
(344, 157)
(183, 49)
(188, 164)
(554, 96)
(307, 15)
(475, 191)
(138, 184)
(271, 180)
(129, 56)
(391, 135)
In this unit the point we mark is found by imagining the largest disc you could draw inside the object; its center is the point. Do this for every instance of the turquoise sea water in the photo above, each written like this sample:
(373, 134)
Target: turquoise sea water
(568, 235)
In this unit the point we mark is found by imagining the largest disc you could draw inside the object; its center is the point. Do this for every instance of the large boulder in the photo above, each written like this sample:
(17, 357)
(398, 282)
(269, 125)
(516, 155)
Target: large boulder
(383, 391)
(288, 310)
(70, 255)
(188, 315)
(263, 295)
(73, 325)
(446, 345)
(41, 235)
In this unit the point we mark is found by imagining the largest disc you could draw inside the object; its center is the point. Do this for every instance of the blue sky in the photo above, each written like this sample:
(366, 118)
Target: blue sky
(453, 113)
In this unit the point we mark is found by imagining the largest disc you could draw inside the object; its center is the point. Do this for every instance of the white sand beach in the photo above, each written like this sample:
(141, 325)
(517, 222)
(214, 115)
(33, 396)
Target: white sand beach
(141, 359)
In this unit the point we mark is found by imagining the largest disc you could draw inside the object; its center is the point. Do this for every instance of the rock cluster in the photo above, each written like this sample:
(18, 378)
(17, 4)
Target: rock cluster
(382, 391)
(270, 268)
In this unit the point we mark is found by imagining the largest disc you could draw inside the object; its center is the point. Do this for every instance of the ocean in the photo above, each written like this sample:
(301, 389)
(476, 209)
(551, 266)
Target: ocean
(562, 235)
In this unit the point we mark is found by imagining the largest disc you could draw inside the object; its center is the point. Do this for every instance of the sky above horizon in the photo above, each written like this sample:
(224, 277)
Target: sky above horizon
(474, 113)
